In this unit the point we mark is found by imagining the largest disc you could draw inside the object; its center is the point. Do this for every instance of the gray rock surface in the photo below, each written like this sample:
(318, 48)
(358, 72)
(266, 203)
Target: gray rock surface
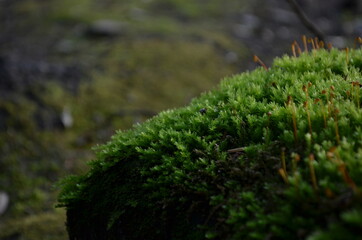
(4, 202)
(105, 28)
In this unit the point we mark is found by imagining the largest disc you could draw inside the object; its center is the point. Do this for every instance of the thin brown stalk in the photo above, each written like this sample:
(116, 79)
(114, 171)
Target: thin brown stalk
(347, 178)
(293, 50)
(258, 60)
(316, 41)
(294, 118)
(295, 45)
(284, 166)
(321, 44)
(310, 40)
(356, 87)
(324, 92)
(296, 159)
(283, 174)
(356, 41)
(305, 90)
(336, 111)
(304, 38)
(333, 154)
(312, 172)
(308, 117)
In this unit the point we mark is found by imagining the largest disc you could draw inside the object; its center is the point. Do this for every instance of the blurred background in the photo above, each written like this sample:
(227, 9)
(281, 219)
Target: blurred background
(74, 72)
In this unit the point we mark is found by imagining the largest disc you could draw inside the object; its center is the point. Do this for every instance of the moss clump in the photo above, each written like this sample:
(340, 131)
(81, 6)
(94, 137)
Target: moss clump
(269, 154)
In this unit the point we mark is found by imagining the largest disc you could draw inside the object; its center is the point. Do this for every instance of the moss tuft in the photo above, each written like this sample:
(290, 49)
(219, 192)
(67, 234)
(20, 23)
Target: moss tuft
(269, 154)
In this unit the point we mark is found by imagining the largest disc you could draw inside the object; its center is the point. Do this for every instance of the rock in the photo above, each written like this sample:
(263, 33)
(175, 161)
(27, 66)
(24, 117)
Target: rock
(105, 28)
(251, 20)
(4, 202)
(325, 25)
(283, 16)
(283, 33)
(267, 35)
(66, 117)
(337, 41)
(242, 31)
(66, 46)
(17, 73)
(231, 57)
(246, 28)
(357, 27)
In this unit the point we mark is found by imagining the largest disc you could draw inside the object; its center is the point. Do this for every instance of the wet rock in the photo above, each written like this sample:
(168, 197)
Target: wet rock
(337, 41)
(325, 25)
(66, 46)
(283, 33)
(245, 29)
(105, 28)
(357, 28)
(66, 117)
(267, 35)
(17, 73)
(4, 202)
(231, 57)
(242, 31)
(283, 16)
(251, 20)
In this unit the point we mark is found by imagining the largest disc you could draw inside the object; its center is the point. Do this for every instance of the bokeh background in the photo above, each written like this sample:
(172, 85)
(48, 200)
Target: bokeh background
(74, 72)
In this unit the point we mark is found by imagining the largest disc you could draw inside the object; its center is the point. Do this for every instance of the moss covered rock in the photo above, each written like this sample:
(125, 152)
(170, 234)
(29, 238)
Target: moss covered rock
(270, 154)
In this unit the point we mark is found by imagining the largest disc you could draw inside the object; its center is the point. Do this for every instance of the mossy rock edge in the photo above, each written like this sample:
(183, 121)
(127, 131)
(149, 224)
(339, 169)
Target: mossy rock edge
(270, 154)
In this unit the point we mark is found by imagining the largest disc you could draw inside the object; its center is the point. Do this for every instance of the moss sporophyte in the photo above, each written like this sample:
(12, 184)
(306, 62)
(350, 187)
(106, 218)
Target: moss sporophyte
(275, 153)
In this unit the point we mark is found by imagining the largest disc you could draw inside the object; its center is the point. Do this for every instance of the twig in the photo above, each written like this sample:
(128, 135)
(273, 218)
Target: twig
(304, 19)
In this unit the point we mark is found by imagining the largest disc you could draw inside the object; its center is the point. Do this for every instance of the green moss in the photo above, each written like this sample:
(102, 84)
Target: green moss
(214, 169)
(157, 51)
(162, 66)
(196, 10)
(47, 226)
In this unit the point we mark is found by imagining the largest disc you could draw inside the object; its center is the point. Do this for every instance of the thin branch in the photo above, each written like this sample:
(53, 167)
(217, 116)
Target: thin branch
(305, 21)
